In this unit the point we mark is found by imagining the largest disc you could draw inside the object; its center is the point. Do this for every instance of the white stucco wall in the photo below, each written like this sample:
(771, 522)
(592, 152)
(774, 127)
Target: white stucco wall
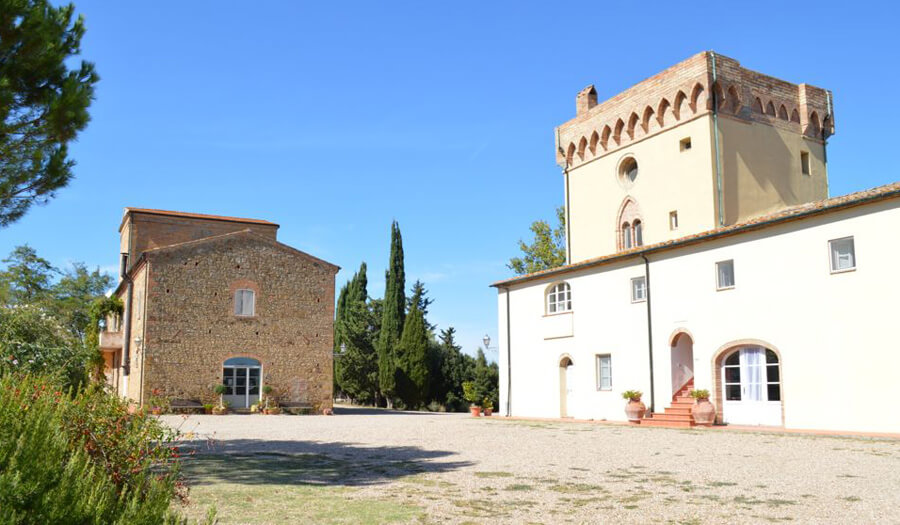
(834, 332)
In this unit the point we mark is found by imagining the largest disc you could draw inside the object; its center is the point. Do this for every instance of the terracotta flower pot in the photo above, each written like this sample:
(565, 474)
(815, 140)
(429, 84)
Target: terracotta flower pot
(476, 410)
(488, 411)
(635, 410)
(704, 412)
(273, 411)
(156, 411)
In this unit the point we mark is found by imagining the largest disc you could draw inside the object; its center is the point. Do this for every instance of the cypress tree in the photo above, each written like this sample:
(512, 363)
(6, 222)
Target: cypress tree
(393, 317)
(412, 384)
(357, 368)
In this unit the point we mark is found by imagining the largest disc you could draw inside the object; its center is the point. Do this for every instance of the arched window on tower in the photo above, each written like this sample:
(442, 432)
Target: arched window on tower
(626, 236)
(638, 233)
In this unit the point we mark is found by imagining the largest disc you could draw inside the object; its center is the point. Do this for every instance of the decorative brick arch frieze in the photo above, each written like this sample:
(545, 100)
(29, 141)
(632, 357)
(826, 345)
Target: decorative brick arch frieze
(719, 358)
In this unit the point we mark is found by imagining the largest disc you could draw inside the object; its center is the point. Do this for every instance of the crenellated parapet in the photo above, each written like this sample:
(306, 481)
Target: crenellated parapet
(687, 91)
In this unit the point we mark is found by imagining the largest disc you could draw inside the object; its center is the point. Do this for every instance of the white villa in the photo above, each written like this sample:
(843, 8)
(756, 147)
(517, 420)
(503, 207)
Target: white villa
(704, 252)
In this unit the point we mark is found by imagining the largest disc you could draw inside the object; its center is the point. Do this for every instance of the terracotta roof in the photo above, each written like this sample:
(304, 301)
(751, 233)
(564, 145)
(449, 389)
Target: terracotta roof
(194, 216)
(798, 212)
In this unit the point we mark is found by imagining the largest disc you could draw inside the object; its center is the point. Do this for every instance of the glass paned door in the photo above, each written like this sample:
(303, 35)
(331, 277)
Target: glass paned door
(752, 389)
(241, 385)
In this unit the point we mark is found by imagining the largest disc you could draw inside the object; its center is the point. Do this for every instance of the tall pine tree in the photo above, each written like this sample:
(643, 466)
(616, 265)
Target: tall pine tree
(393, 317)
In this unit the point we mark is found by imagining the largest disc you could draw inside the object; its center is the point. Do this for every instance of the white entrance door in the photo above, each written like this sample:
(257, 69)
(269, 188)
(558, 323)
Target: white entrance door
(570, 382)
(241, 377)
(751, 380)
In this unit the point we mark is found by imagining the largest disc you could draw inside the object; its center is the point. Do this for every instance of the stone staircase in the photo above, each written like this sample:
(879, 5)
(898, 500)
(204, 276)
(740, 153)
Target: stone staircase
(678, 415)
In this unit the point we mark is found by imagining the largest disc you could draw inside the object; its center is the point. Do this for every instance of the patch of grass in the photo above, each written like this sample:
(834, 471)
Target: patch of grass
(722, 484)
(518, 487)
(576, 488)
(848, 476)
(494, 474)
(284, 489)
(852, 498)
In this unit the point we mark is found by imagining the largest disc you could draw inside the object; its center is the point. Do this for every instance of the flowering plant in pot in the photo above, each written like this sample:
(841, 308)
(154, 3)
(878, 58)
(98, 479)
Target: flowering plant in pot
(208, 408)
(703, 412)
(634, 409)
(158, 403)
(470, 393)
(488, 406)
(220, 409)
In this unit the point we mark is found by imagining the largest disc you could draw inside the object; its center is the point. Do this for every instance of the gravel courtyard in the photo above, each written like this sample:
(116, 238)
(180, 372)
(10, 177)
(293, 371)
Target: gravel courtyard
(378, 466)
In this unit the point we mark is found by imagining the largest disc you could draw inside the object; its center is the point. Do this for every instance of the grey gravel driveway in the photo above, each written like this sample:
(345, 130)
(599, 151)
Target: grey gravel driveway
(460, 469)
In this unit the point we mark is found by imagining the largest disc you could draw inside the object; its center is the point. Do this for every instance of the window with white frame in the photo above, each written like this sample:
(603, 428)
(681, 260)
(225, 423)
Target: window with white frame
(843, 254)
(559, 298)
(638, 289)
(244, 303)
(725, 275)
(604, 372)
(638, 233)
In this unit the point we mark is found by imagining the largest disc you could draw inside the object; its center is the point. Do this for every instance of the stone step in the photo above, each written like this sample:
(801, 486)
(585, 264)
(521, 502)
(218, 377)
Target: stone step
(677, 410)
(673, 417)
(666, 424)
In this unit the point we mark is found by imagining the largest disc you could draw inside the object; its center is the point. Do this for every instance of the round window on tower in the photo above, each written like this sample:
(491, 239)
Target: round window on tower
(628, 171)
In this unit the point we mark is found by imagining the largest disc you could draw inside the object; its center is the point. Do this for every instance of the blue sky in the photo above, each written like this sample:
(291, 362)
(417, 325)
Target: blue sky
(333, 118)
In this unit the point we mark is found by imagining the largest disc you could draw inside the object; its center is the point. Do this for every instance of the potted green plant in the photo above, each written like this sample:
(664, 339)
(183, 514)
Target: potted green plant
(221, 409)
(634, 409)
(271, 405)
(208, 408)
(488, 406)
(470, 393)
(703, 412)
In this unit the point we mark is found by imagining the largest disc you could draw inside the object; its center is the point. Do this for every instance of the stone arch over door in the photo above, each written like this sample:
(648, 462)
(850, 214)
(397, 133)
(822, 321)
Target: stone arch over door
(565, 369)
(718, 362)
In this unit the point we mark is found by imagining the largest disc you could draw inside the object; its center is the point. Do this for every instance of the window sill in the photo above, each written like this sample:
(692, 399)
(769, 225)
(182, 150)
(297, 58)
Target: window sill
(567, 312)
(247, 317)
(635, 301)
(725, 289)
(845, 270)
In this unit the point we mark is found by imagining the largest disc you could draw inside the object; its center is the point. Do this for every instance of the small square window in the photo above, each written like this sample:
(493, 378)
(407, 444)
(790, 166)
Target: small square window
(804, 163)
(604, 372)
(685, 144)
(725, 275)
(673, 220)
(843, 255)
(638, 289)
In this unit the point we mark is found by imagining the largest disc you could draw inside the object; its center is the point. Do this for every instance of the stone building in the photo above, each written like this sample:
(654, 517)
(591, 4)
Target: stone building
(704, 252)
(218, 300)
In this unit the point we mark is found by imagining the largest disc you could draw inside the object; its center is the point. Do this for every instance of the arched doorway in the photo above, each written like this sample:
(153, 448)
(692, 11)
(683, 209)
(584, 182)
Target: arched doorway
(566, 367)
(749, 385)
(241, 375)
(682, 360)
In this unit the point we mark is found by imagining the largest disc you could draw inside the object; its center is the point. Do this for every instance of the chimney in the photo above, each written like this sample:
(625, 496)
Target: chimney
(585, 100)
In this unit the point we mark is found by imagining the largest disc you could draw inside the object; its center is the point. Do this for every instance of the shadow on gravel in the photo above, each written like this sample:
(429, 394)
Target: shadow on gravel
(260, 462)
(371, 411)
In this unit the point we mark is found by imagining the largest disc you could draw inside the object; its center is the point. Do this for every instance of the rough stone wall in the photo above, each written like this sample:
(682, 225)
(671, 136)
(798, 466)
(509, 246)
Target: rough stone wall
(191, 327)
(683, 92)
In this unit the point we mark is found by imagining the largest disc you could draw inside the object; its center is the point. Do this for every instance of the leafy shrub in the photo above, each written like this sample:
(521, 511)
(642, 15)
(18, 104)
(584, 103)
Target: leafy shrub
(32, 341)
(632, 394)
(470, 392)
(700, 394)
(81, 458)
